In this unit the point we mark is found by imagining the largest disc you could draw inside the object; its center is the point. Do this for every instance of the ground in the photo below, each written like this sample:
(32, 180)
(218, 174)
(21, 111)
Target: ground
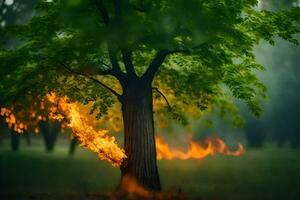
(268, 174)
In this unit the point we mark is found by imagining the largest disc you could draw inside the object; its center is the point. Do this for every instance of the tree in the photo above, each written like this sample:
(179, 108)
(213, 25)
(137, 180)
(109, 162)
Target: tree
(49, 131)
(72, 147)
(31, 118)
(124, 51)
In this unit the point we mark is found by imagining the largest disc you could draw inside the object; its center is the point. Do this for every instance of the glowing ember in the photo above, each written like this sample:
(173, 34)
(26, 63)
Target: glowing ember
(195, 150)
(96, 141)
(131, 186)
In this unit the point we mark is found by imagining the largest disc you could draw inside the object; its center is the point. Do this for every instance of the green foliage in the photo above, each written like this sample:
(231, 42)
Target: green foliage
(210, 45)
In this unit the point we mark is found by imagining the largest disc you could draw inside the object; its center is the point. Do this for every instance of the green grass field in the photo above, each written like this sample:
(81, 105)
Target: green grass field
(268, 174)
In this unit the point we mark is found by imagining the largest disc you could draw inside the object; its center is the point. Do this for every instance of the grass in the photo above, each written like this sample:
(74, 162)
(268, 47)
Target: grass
(268, 174)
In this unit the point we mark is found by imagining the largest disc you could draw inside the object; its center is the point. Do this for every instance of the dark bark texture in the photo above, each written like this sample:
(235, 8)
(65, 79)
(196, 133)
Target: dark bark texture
(27, 138)
(73, 144)
(15, 141)
(49, 132)
(139, 140)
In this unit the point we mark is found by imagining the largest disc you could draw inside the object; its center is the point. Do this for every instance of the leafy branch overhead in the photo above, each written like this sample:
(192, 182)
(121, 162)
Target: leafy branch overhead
(91, 49)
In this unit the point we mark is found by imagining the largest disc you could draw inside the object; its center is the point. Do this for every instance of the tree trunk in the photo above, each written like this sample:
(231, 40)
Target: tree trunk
(27, 138)
(49, 132)
(15, 141)
(139, 140)
(72, 147)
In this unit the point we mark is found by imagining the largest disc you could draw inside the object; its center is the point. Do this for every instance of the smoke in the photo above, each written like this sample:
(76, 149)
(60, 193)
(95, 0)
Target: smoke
(282, 110)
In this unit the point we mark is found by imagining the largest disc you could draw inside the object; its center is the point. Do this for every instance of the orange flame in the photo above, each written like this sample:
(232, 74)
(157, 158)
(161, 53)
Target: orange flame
(97, 141)
(195, 150)
(130, 188)
(100, 142)
(12, 122)
(103, 144)
(130, 185)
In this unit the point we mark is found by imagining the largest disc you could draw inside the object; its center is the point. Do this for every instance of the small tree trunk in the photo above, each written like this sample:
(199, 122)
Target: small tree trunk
(54, 130)
(27, 138)
(44, 126)
(49, 132)
(15, 141)
(139, 140)
(73, 145)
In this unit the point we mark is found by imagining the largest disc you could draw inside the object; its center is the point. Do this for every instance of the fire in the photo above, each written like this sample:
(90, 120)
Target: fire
(11, 120)
(130, 185)
(104, 144)
(82, 124)
(130, 188)
(97, 141)
(196, 150)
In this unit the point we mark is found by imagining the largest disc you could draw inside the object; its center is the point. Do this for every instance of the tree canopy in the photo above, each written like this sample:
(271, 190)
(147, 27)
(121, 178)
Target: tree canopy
(199, 52)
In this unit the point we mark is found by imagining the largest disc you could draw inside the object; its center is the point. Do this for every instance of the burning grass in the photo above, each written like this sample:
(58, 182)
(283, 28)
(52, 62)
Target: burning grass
(210, 146)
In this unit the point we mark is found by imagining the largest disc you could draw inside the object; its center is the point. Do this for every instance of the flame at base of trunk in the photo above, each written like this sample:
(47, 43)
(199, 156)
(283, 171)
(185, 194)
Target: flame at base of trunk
(131, 189)
(129, 185)
(195, 150)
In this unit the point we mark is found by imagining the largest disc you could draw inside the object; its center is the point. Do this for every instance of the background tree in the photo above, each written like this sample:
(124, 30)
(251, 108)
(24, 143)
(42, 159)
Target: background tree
(31, 117)
(72, 147)
(107, 51)
(12, 13)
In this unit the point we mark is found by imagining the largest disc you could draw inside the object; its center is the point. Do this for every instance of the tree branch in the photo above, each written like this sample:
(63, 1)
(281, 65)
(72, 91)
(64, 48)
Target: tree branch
(165, 98)
(126, 54)
(106, 65)
(127, 59)
(154, 65)
(111, 52)
(161, 56)
(113, 59)
(92, 79)
(103, 11)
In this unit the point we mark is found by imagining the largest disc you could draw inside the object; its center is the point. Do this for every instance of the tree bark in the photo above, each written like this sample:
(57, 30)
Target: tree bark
(49, 132)
(27, 138)
(72, 147)
(139, 140)
(15, 141)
